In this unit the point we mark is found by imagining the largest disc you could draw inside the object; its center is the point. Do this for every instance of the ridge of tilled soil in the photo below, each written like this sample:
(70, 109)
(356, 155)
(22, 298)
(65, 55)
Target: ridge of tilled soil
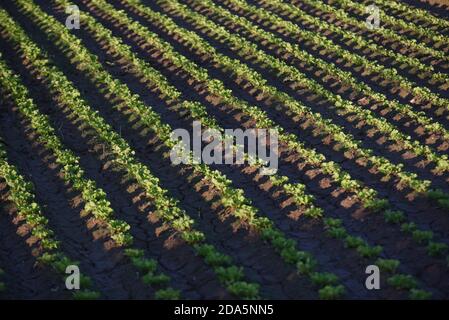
(24, 277)
(409, 34)
(179, 82)
(150, 155)
(397, 249)
(373, 139)
(407, 125)
(83, 239)
(244, 184)
(129, 204)
(391, 12)
(374, 80)
(151, 159)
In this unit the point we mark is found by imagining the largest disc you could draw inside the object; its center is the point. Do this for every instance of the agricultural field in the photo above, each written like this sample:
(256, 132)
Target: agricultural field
(93, 205)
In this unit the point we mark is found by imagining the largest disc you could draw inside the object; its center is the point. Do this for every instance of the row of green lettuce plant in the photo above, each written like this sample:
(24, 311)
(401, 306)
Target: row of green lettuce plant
(21, 194)
(195, 109)
(167, 207)
(346, 78)
(399, 281)
(281, 67)
(198, 111)
(353, 39)
(390, 74)
(340, 233)
(349, 21)
(217, 88)
(412, 14)
(383, 165)
(231, 198)
(396, 24)
(285, 248)
(95, 199)
(393, 133)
